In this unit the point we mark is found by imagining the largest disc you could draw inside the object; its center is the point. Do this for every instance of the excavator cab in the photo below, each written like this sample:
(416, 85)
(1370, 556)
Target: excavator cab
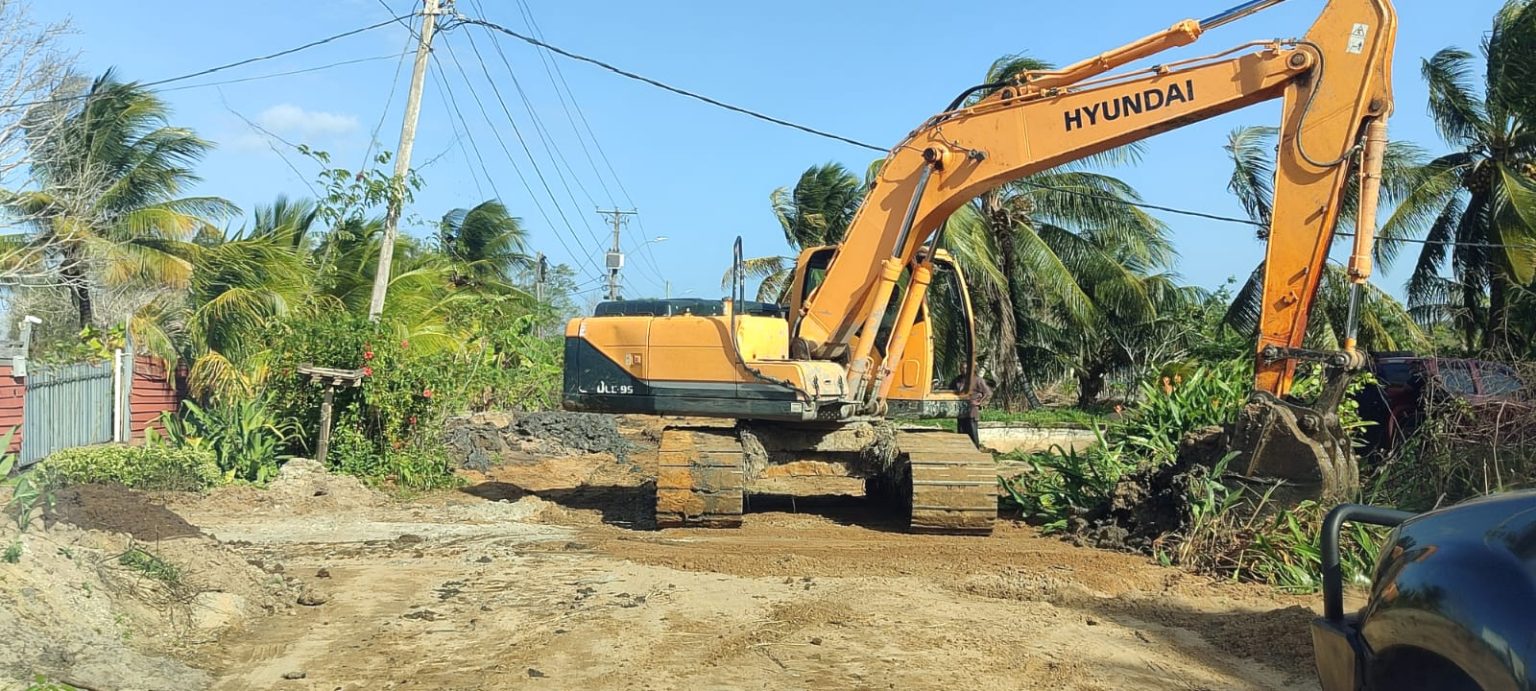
(933, 378)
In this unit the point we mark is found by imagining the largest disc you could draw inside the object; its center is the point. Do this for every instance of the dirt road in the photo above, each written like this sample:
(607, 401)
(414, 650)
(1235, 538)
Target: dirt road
(489, 588)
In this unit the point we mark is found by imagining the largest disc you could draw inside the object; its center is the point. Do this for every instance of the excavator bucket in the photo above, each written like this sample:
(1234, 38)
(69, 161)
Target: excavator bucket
(1306, 447)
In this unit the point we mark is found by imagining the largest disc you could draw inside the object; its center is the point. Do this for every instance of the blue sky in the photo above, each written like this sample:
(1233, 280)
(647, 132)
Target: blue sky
(699, 176)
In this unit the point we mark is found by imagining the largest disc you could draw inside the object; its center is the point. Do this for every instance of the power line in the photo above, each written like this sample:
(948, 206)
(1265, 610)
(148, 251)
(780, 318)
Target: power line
(459, 136)
(496, 132)
(219, 68)
(872, 147)
(551, 69)
(539, 32)
(273, 75)
(662, 85)
(550, 150)
(454, 104)
(518, 133)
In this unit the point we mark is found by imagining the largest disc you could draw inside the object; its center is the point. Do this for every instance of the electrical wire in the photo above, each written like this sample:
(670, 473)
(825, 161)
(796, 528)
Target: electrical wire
(865, 145)
(551, 68)
(458, 113)
(539, 32)
(662, 85)
(274, 75)
(218, 68)
(550, 150)
(496, 132)
(459, 135)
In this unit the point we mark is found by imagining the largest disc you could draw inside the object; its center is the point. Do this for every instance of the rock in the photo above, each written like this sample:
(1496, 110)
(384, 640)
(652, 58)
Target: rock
(527, 507)
(535, 674)
(313, 598)
(214, 610)
(294, 675)
(409, 539)
(816, 640)
(323, 573)
(483, 560)
(296, 468)
(495, 419)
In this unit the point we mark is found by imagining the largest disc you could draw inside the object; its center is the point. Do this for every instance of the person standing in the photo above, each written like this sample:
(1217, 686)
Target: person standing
(969, 423)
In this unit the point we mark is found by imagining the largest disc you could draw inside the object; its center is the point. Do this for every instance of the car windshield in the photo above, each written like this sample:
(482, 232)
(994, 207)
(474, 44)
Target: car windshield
(1394, 373)
(1498, 380)
(1456, 378)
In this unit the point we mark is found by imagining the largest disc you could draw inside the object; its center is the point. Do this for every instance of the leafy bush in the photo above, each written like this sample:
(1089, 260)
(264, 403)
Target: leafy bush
(150, 565)
(243, 436)
(146, 467)
(1175, 406)
(1067, 482)
(409, 387)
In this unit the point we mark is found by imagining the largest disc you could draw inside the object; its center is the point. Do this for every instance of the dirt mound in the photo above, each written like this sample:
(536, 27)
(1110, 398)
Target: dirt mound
(1153, 502)
(117, 509)
(589, 432)
(119, 589)
(302, 487)
(484, 440)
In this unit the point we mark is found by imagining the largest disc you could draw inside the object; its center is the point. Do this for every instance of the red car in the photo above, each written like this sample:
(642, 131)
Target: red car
(1407, 383)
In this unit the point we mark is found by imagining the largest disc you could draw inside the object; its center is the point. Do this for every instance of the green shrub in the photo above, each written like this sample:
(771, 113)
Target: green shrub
(410, 386)
(150, 565)
(140, 467)
(1067, 482)
(1175, 406)
(243, 436)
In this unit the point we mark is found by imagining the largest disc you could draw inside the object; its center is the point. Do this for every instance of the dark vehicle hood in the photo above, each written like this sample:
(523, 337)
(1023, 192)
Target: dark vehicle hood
(1460, 583)
(1500, 523)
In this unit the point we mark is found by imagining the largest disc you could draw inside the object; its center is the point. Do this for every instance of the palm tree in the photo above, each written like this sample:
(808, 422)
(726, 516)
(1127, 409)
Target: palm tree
(1476, 206)
(1384, 324)
(110, 181)
(1019, 219)
(816, 211)
(488, 244)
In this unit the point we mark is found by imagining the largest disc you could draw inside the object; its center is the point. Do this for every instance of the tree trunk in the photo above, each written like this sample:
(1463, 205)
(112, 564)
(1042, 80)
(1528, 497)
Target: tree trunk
(73, 274)
(1012, 389)
(1090, 384)
(1496, 338)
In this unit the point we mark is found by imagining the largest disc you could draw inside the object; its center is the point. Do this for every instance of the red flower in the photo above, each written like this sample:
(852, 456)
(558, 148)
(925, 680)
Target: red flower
(367, 355)
(405, 345)
(413, 419)
(426, 393)
(367, 371)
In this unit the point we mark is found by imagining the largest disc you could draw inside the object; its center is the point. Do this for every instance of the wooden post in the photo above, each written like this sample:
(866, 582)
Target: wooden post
(324, 446)
(331, 379)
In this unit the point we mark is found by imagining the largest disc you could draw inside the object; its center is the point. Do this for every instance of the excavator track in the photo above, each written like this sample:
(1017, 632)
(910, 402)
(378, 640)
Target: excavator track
(953, 484)
(700, 478)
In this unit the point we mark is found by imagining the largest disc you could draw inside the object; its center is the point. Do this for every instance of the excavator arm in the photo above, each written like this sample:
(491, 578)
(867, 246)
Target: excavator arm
(1336, 87)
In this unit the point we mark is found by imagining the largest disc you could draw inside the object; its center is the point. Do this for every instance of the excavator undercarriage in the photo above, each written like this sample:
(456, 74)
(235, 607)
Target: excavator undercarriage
(940, 480)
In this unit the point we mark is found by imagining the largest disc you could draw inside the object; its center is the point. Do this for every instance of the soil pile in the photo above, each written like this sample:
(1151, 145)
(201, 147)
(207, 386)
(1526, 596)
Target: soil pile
(484, 440)
(1154, 502)
(114, 587)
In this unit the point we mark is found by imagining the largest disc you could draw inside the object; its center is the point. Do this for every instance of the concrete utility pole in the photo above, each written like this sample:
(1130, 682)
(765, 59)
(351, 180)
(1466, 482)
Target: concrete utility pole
(403, 161)
(540, 276)
(616, 254)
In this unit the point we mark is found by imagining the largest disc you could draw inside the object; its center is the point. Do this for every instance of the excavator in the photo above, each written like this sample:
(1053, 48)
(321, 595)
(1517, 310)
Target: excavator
(879, 327)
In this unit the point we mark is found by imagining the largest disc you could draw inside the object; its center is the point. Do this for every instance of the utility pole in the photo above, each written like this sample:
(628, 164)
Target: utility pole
(616, 253)
(540, 275)
(403, 161)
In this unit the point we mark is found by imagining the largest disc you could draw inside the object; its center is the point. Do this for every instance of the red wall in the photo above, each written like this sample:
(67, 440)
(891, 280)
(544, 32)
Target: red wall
(153, 393)
(12, 392)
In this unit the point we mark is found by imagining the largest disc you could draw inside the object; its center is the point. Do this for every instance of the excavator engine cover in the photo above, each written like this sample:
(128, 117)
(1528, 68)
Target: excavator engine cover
(1308, 448)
